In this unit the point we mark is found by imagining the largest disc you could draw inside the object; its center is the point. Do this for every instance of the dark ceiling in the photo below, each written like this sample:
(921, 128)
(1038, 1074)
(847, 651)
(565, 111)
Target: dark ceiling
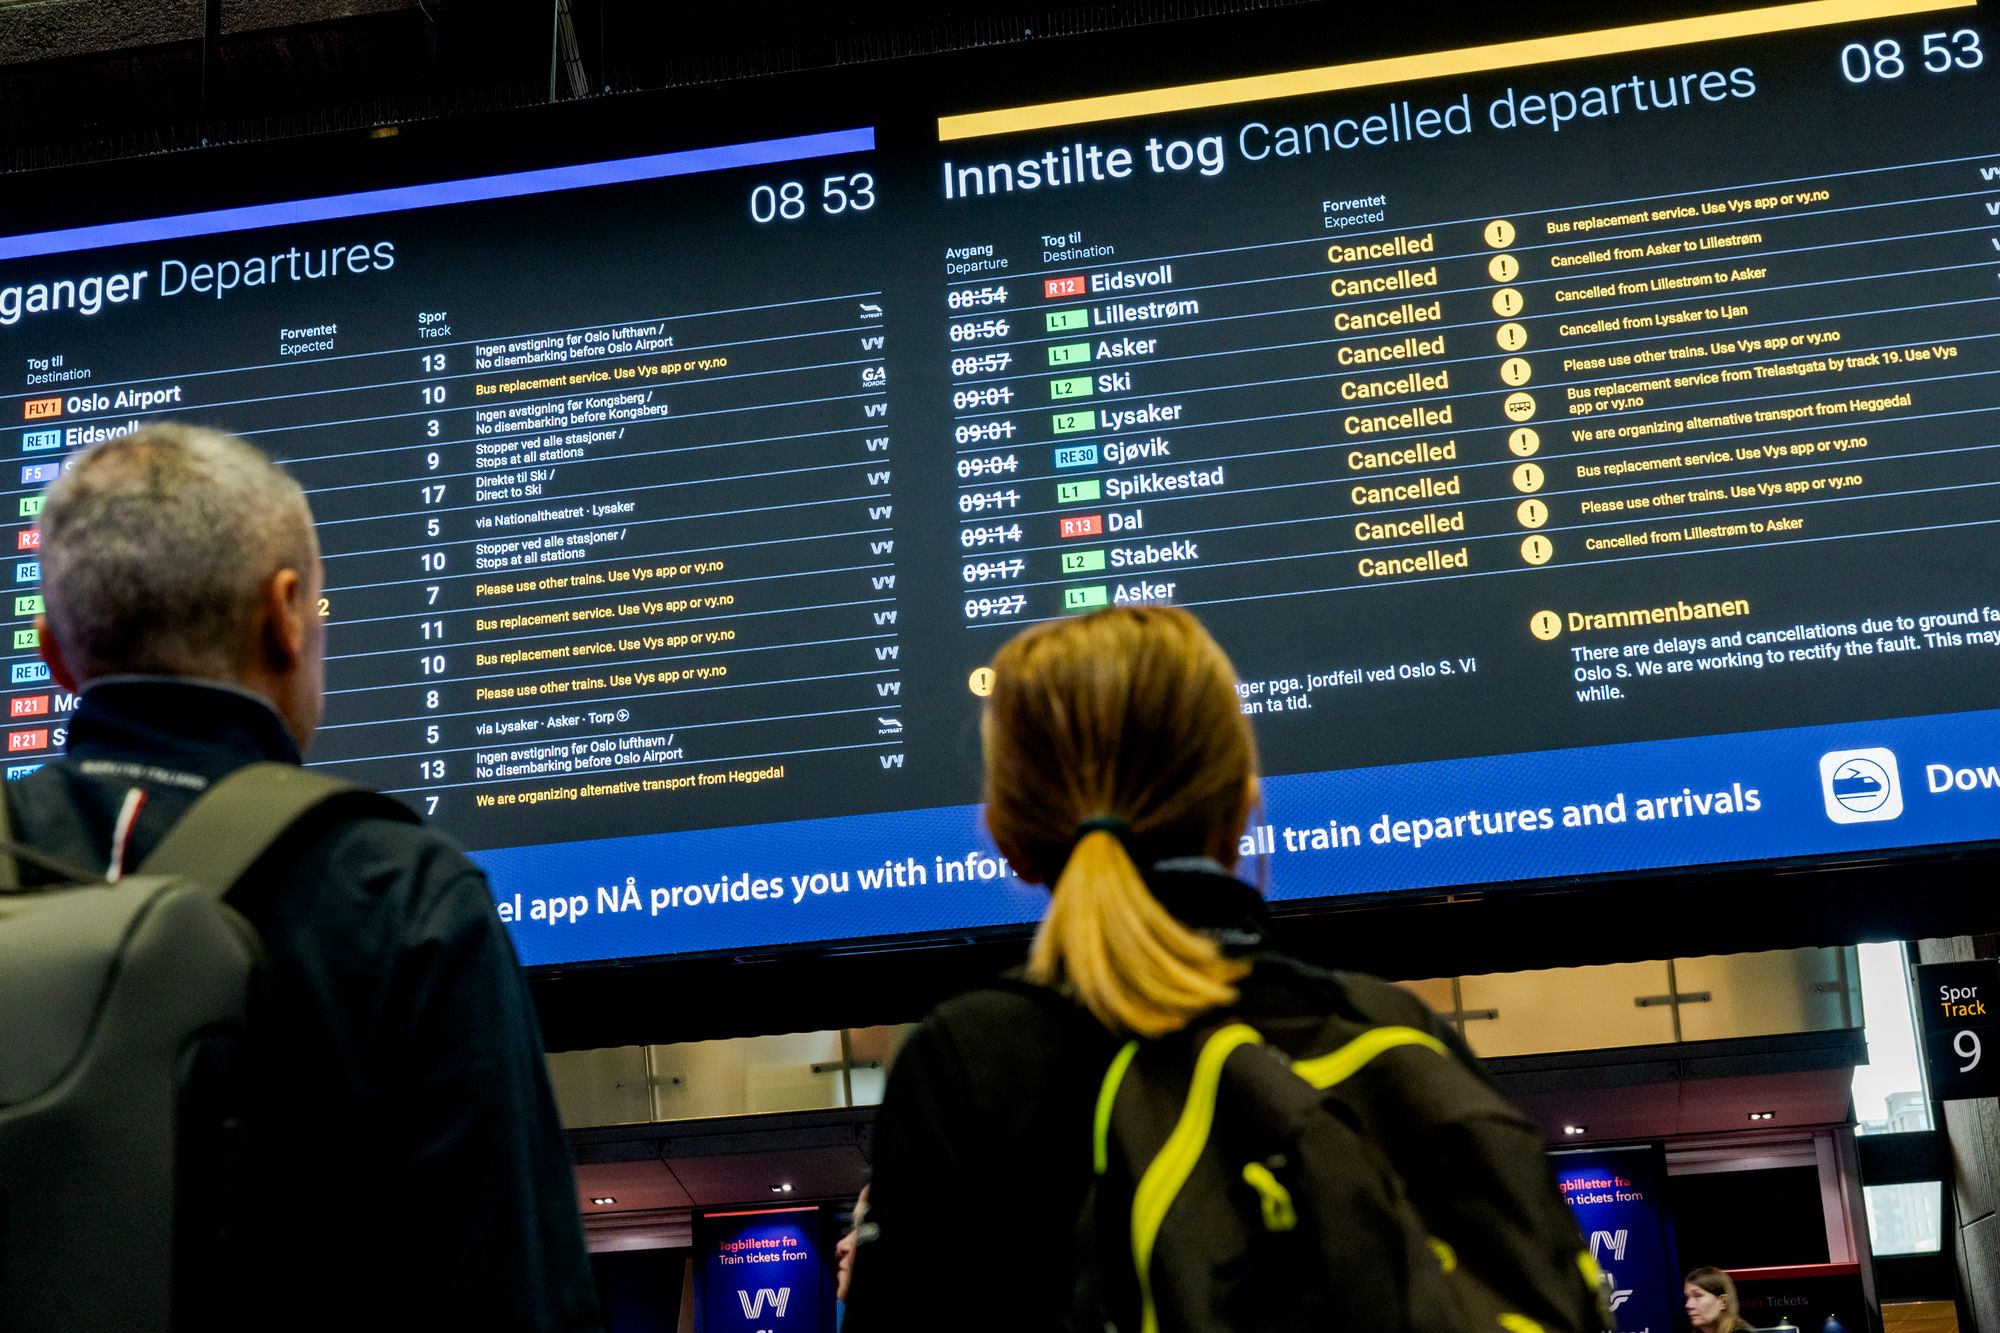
(91, 80)
(87, 81)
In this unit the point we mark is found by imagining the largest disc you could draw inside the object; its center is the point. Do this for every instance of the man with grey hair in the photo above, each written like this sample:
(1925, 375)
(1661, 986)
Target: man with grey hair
(418, 1173)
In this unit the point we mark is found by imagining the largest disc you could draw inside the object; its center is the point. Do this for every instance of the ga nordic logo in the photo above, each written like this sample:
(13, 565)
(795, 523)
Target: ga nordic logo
(1860, 786)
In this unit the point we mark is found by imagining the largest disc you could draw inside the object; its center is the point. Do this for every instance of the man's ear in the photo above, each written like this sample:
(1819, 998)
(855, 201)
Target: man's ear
(51, 653)
(282, 613)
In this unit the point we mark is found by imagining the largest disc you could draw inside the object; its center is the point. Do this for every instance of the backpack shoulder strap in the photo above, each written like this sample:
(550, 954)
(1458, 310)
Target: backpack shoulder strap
(245, 815)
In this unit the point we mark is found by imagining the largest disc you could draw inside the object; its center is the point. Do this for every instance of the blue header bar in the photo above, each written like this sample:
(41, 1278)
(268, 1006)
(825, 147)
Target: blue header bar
(514, 184)
(1488, 821)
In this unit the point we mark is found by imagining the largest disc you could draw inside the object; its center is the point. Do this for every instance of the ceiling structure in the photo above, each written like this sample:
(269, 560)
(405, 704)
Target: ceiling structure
(94, 80)
(90, 80)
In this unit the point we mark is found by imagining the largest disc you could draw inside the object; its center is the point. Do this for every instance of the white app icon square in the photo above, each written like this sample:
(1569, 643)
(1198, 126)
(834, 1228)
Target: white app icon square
(1860, 786)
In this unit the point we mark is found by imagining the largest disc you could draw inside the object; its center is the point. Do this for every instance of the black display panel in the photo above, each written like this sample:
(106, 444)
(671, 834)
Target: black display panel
(1584, 447)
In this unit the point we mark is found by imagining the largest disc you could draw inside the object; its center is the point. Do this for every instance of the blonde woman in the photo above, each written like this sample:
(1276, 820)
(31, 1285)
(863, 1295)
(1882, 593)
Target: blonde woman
(1120, 771)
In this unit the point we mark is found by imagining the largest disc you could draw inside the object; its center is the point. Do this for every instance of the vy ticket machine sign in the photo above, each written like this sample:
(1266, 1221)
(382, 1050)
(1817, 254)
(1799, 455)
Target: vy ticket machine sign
(1959, 1007)
(761, 1272)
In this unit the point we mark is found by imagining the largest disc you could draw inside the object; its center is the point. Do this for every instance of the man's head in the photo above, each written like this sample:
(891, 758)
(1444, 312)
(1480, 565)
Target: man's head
(175, 551)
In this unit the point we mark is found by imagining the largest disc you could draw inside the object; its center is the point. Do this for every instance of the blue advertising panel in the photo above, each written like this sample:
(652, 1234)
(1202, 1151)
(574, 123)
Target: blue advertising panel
(760, 1272)
(1619, 1199)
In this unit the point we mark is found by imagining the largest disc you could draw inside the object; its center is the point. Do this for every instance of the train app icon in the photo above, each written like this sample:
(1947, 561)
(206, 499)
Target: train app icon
(1860, 786)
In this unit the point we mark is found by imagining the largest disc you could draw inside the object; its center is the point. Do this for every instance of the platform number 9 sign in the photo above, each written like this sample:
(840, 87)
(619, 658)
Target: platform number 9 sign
(1959, 1005)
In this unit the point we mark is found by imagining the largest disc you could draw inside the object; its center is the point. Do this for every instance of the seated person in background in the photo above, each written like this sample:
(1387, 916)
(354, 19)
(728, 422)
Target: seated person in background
(1120, 771)
(416, 1173)
(1708, 1295)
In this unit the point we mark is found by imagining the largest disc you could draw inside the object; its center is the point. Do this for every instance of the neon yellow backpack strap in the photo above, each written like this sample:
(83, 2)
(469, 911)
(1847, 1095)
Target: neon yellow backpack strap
(1324, 1071)
(1107, 1097)
(1170, 1169)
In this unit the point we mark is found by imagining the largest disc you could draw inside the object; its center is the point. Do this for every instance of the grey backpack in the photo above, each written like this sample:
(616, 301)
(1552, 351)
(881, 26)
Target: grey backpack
(127, 1078)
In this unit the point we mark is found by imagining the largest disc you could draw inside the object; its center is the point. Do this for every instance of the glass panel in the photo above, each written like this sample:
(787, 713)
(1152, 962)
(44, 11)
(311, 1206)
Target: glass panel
(1567, 1009)
(747, 1076)
(1905, 1219)
(873, 1051)
(1758, 994)
(601, 1087)
(1889, 1095)
(1436, 994)
(1920, 1317)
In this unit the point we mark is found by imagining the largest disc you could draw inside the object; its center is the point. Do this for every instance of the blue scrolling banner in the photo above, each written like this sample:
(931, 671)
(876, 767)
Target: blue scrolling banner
(1807, 791)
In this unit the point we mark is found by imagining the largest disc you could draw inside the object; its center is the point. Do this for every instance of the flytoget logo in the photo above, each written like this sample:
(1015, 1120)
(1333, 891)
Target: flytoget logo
(1860, 786)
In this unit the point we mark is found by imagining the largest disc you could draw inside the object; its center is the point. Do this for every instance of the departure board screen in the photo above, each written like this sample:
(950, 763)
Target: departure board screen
(1586, 447)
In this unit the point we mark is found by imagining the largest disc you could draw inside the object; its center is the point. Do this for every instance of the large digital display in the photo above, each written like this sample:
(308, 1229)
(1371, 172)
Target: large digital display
(1584, 446)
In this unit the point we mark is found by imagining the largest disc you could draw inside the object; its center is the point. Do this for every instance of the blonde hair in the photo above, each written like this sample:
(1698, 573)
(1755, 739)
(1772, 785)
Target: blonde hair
(1129, 713)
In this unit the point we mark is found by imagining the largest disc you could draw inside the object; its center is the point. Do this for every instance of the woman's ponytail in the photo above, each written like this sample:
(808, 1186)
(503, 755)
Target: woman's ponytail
(1107, 941)
(1115, 741)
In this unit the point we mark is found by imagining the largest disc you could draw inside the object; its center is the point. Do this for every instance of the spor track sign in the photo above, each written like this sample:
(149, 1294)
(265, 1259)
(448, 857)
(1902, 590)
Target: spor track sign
(1959, 1007)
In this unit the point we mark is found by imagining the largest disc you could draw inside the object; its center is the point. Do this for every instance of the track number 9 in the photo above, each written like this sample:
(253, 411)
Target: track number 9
(1966, 1046)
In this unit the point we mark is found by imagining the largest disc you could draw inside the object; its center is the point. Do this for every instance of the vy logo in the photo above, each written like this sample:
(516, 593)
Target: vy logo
(754, 1308)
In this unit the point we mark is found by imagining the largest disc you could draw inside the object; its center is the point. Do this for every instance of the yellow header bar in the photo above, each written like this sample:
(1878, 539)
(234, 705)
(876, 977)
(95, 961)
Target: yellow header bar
(1436, 64)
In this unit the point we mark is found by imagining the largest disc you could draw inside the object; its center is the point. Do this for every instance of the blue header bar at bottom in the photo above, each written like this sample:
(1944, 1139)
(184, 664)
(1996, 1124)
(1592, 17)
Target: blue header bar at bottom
(1708, 800)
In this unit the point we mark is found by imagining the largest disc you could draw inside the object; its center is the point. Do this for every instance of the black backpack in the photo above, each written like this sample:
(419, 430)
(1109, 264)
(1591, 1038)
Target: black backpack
(1346, 1170)
(128, 1087)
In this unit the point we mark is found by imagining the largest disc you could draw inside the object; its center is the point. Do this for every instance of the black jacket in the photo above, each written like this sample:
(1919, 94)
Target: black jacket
(418, 1175)
(982, 1160)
